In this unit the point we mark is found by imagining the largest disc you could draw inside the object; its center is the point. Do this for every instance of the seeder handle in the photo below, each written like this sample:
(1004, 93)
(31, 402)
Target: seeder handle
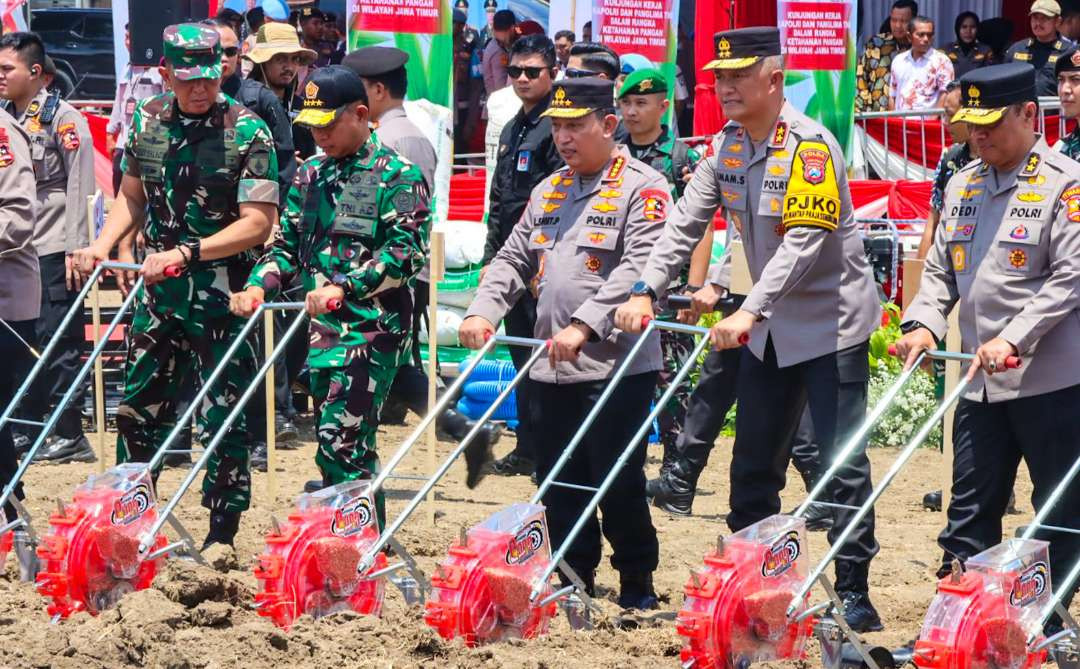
(173, 271)
(1011, 362)
(334, 304)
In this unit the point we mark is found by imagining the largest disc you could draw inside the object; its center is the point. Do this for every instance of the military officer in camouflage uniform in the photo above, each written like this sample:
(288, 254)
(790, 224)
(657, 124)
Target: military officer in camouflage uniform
(781, 181)
(63, 155)
(583, 238)
(355, 229)
(200, 178)
(1008, 248)
(643, 102)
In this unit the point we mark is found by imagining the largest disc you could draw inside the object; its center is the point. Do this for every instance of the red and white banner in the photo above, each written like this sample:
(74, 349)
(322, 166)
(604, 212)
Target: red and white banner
(397, 16)
(634, 26)
(814, 34)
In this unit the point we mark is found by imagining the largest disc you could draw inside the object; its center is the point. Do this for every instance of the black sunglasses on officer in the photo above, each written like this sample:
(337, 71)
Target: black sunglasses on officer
(530, 72)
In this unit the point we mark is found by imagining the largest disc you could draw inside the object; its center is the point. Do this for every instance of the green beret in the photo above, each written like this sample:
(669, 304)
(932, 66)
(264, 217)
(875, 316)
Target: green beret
(644, 82)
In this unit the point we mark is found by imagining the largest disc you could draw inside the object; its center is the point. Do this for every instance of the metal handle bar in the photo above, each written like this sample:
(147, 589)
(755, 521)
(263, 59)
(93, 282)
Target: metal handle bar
(898, 464)
(634, 442)
(185, 419)
(540, 347)
(148, 537)
(1011, 362)
(432, 414)
(54, 417)
(648, 326)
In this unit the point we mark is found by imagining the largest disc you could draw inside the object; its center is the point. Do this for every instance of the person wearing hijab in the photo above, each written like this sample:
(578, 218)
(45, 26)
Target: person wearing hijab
(967, 52)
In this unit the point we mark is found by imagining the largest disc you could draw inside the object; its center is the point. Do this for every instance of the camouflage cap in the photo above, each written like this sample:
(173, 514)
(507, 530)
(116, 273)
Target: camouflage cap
(193, 50)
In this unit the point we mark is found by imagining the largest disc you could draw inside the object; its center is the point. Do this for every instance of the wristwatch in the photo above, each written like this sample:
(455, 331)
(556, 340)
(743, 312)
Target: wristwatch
(641, 289)
(194, 247)
(340, 280)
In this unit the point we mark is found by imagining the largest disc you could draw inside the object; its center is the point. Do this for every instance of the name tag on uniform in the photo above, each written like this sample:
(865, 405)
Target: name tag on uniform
(524, 160)
(345, 225)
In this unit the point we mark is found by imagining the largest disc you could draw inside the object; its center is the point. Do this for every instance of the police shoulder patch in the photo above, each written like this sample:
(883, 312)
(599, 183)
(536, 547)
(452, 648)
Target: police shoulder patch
(813, 193)
(1070, 200)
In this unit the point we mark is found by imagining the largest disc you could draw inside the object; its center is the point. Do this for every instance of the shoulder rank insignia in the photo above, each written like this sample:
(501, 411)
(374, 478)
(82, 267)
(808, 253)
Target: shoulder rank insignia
(779, 135)
(604, 207)
(616, 168)
(1031, 167)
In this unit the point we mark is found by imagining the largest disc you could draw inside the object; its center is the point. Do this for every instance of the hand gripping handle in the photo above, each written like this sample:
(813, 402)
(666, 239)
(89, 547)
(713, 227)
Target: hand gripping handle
(1011, 362)
(173, 271)
(334, 304)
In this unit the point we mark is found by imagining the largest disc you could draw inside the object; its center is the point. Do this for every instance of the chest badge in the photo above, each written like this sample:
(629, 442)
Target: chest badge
(597, 237)
(1018, 259)
(735, 148)
(554, 195)
(733, 163)
(959, 258)
(610, 193)
(776, 170)
(1029, 196)
(1019, 232)
(593, 264)
(604, 207)
(549, 207)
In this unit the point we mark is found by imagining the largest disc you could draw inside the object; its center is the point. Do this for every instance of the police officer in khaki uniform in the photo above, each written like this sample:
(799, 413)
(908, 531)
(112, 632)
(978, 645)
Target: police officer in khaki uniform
(20, 285)
(581, 243)
(63, 156)
(781, 181)
(1008, 249)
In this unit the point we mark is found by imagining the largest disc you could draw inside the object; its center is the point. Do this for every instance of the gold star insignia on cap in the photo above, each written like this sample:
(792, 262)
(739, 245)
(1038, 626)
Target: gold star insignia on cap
(723, 48)
(560, 99)
(973, 95)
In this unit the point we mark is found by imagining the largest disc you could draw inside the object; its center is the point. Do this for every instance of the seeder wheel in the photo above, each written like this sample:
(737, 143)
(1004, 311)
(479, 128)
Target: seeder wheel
(478, 596)
(90, 558)
(732, 616)
(310, 567)
(970, 628)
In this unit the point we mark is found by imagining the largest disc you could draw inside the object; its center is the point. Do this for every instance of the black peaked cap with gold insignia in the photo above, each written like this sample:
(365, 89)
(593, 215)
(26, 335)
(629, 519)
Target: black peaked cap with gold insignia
(574, 98)
(988, 91)
(742, 47)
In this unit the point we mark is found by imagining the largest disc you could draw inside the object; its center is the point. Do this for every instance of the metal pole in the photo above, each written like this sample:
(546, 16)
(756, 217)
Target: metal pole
(437, 254)
(557, 468)
(1058, 595)
(208, 451)
(1051, 502)
(433, 412)
(54, 417)
(99, 375)
(271, 410)
(387, 534)
(635, 442)
(881, 487)
(53, 343)
(853, 442)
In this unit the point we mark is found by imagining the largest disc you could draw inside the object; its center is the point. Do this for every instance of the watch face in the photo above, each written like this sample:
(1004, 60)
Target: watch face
(640, 288)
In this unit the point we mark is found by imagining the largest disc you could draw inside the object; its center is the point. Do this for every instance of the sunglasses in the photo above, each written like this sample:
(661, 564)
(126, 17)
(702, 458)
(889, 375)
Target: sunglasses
(515, 71)
(231, 51)
(575, 73)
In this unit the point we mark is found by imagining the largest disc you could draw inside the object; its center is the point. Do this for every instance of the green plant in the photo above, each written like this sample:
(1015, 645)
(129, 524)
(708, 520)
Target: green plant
(908, 412)
(884, 337)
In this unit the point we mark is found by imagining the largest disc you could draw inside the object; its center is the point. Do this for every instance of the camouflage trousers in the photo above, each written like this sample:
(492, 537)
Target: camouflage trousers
(676, 348)
(163, 352)
(349, 400)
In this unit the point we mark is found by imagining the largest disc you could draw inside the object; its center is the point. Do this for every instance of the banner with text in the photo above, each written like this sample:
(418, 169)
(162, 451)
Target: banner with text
(423, 30)
(818, 40)
(643, 27)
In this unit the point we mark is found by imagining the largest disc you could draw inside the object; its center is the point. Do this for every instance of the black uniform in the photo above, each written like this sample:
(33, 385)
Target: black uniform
(967, 57)
(1042, 56)
(526, 156)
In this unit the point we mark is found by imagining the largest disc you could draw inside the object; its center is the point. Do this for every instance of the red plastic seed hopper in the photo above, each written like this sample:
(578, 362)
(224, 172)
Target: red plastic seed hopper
(480, 591)
(310, 562)
(90, 558)
(735, 611)
(982, 618)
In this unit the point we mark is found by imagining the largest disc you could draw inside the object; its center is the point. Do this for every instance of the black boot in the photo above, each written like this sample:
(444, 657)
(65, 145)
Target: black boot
(852, 586)
(674, 490)
(636, 591)
(223, 527)
(260, 456)
(817, 517)
(654, 486)
(478, 453)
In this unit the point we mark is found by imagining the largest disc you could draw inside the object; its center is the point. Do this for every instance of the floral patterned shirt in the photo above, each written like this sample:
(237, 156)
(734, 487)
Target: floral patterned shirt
(918, 84)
